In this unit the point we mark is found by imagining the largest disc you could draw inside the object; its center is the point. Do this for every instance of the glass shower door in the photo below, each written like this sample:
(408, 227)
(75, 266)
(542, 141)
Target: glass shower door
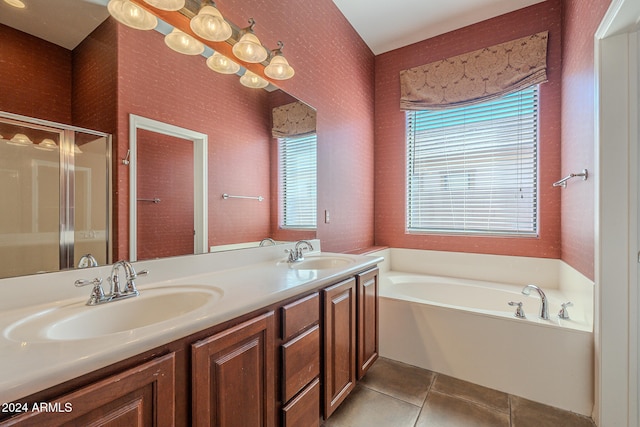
(54, 196)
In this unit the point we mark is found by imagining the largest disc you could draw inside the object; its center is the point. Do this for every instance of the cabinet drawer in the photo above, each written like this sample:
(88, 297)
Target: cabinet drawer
(304, 410)
(300, 362)
(299, 315)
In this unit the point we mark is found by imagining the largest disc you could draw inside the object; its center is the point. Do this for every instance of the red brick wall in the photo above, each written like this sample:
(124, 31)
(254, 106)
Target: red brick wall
(581, 19)
(334, 74)
(95, 82)
(390, 134)
(165, 171)
(158, 83)
(35, 77)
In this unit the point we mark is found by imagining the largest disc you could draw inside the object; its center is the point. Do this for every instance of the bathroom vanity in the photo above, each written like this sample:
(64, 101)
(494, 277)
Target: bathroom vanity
(290, 356)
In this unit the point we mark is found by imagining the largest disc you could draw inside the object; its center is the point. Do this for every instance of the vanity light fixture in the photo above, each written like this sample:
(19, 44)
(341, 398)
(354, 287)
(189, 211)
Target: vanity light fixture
(21, 140)
(252, 80)
(76, 149)
(171, 5)
(131, 15)
(46, 145)
(210, 25)
(248, 48)
(221, 64)
(279, 68)
(183, 43)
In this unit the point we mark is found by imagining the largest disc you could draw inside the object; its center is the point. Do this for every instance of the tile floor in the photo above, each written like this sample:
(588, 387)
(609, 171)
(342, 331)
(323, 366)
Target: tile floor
(393, 394)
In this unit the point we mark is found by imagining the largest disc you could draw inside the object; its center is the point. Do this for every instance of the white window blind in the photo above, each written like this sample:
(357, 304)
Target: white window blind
(298, 183)
(473, 170)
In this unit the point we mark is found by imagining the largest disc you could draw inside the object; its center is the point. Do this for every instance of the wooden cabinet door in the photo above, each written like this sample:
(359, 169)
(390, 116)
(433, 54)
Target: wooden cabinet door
(141, 396)
(233, 379)
(339, 343)
(367, 292)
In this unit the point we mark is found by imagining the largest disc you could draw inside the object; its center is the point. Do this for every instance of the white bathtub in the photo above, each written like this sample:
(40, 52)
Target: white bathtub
(465, 328)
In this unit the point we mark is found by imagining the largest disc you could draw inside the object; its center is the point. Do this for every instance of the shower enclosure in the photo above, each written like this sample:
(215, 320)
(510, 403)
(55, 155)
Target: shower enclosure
(55, 195)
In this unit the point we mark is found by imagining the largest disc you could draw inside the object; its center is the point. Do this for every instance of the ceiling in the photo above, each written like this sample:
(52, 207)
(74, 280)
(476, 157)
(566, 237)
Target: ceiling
(54, 22)
(385, 25)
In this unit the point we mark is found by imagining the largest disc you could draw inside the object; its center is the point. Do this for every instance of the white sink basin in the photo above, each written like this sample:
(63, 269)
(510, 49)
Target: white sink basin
(320, 262)
(77, 321)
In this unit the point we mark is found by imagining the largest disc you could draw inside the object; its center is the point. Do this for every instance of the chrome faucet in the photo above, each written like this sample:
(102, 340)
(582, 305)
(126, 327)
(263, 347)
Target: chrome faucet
(116, 291)
(544, 305)
(130, 276)
(296, 254)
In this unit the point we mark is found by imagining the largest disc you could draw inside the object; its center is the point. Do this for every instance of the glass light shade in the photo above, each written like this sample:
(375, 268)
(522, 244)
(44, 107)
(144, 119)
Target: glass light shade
(20, 139)
(279, 68)
(131, 15)
(166, 4)
(221, 64)
(46, 145)
(183, 43)
(210, 25)
(16, 3)
(253, 80)
(76, 149)
(249, 49)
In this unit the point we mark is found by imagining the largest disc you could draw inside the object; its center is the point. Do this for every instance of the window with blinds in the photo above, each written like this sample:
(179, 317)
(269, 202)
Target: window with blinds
(473, 170)
(298, 183)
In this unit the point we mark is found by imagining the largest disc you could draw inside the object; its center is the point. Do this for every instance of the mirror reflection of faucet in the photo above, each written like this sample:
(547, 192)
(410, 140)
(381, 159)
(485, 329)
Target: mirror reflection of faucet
(267, 241)
(87, 260)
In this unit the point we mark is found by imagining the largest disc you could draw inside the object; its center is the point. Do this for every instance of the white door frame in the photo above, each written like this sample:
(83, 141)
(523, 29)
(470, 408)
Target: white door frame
(616, 250)
(200, 175)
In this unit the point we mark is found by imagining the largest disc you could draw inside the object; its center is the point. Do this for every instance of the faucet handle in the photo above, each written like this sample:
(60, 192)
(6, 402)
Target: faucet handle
(519, 310)
(141, 274)
(97, 293)
(292, 255)
(84, 282)
(564, 314)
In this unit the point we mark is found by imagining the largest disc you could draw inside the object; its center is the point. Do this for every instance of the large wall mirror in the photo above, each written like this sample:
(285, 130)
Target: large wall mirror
(68, 62)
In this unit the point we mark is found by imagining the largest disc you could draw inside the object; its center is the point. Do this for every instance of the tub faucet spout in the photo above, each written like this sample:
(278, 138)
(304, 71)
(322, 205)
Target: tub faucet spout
(544, 304)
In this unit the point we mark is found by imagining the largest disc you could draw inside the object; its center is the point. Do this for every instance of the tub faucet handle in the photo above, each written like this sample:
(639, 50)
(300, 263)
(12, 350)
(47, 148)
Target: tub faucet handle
(564, 314)
(519, 310)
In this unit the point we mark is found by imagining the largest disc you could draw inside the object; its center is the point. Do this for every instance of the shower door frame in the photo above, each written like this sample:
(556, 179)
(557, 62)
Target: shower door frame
(66, 227)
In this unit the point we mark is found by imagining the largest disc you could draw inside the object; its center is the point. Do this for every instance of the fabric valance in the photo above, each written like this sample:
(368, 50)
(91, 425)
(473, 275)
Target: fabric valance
(477, 76)
(293, 119)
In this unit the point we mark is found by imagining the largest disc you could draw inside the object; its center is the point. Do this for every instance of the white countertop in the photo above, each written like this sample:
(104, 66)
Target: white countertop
(242, 286)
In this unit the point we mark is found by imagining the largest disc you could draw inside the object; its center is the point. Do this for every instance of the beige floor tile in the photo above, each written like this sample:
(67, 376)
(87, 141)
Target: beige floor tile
(368, 408)
(441, 410)
(526, 413)
(396, 379)
(494, 399)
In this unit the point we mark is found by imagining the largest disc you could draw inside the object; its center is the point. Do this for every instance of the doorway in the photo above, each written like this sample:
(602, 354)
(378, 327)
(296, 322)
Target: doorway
(168, 190)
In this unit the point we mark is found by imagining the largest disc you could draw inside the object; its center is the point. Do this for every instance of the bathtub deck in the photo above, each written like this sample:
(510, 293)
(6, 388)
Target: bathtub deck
(400, 395)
